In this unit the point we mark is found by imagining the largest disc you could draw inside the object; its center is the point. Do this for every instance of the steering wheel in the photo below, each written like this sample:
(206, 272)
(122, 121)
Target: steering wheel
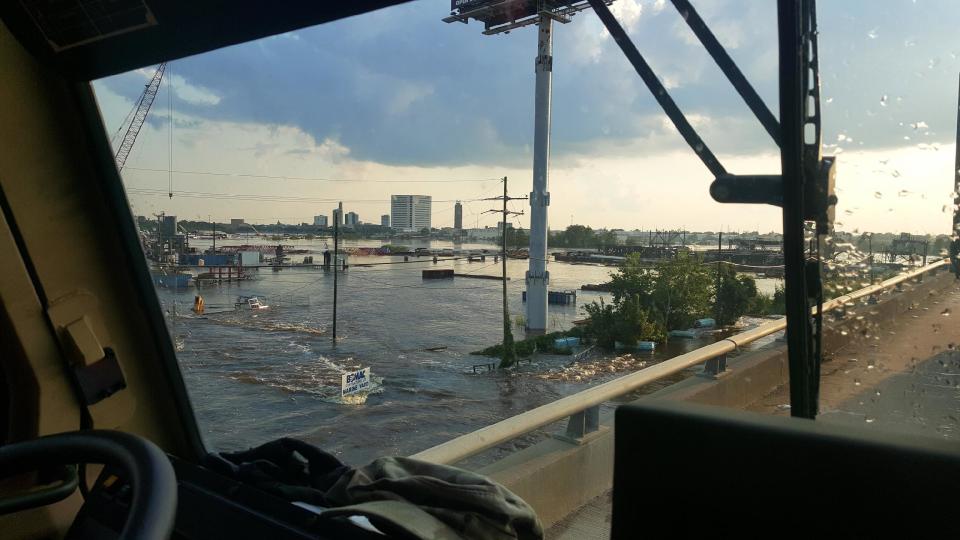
(147, 468)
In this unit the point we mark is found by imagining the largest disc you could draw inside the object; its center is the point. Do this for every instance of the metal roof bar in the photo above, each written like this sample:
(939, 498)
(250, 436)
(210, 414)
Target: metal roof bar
(729, 68)
(657, 89)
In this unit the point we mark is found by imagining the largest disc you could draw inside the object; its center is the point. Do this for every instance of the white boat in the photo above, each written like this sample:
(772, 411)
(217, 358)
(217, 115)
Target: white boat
(250, 302)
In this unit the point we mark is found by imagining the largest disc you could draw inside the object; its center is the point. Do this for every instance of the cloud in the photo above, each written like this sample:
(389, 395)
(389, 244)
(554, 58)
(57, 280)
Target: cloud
(628, 12)
(398, 90)
(406, 94)
(182, 89)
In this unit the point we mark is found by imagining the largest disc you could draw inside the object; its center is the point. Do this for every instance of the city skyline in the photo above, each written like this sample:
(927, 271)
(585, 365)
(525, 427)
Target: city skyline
(445, 125)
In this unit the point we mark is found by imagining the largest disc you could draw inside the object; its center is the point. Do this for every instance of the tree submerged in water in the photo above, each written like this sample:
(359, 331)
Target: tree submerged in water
(735, 295)
(649, 301)
(626, 323)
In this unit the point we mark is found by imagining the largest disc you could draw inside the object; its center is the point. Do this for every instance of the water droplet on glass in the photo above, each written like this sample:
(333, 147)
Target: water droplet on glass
(909, 42)
(903, 193)
(945, 312)
(919, 125)
(883, 100)
(879, 195)
(829, 100)
(856, 382)
(868, 419)
(872, 34)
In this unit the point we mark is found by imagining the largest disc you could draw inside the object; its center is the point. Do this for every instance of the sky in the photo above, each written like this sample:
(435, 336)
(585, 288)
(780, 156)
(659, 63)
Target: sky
(398, 102)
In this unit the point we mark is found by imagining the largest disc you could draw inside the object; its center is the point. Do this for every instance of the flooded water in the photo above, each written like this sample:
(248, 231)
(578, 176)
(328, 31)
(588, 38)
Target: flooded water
(254, 376)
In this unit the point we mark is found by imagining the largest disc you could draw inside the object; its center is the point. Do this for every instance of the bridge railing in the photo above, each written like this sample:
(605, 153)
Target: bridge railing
(583, 408)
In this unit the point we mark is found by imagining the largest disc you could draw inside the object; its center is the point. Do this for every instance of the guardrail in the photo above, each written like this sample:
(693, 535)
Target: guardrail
(582, 408)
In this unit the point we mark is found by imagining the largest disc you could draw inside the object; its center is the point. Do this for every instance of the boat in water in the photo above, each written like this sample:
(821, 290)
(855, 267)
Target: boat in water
(252, 303)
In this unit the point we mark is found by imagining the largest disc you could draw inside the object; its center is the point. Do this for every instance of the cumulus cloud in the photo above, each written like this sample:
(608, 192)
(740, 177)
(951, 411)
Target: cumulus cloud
(628, 12)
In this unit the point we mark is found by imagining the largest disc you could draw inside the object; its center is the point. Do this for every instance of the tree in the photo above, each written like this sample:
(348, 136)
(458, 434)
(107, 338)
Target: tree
(735, 295)
(633, 279)
(682, 291)
(577, 236)
(626, 323)
(606, 238)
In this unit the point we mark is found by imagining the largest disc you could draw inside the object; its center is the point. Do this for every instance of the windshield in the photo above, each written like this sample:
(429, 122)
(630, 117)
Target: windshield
(389, 231)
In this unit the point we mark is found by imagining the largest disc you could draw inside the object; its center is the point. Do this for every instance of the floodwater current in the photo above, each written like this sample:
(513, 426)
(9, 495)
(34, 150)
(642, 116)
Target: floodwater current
(254, 376)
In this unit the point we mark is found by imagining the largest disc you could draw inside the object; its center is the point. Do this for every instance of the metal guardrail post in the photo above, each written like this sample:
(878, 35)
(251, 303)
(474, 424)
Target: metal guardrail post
(582, 423)
(714, 366)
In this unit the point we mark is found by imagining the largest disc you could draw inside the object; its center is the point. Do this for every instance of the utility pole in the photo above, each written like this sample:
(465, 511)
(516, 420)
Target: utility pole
(336, 249)
(214, 225)
(719, 274)
(509, 356)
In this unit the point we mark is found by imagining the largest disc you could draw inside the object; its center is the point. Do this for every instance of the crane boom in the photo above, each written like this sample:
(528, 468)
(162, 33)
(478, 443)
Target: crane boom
(140, 116)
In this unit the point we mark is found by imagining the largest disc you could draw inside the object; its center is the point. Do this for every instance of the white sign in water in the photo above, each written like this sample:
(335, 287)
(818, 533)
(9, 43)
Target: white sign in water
(355, 381)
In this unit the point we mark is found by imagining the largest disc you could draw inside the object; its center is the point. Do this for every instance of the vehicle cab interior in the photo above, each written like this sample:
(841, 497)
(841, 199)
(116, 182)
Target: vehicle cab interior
(98, 435)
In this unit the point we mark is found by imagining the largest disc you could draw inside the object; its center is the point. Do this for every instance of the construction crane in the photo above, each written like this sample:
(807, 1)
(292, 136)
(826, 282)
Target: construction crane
(139, 116)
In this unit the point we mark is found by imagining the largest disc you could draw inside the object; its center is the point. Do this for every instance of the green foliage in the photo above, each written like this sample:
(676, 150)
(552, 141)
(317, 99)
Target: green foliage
(575, 236)
(672, 295)
(626, 322)
(734, 296)
(527, 347)
(763, 305)
(633, 279)
(682, 292)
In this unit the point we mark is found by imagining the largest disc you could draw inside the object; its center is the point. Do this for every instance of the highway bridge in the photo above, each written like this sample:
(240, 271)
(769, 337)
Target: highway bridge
(891, 361)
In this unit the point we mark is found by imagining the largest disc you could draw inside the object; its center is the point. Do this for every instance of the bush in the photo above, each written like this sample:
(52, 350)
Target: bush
(527, 347)
(626, 323)
(735, 295)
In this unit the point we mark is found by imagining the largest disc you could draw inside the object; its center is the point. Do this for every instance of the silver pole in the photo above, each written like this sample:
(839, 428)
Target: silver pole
(537, 277)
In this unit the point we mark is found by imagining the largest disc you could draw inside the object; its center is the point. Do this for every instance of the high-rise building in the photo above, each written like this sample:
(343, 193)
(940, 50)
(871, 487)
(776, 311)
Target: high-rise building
(410, 212)
(337, 216)
(352, 219)
(320, 221)
(458, 216)
(385, 220)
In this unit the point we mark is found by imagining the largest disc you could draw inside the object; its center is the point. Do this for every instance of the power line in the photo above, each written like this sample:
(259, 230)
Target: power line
(258, 198)
(314, 179)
